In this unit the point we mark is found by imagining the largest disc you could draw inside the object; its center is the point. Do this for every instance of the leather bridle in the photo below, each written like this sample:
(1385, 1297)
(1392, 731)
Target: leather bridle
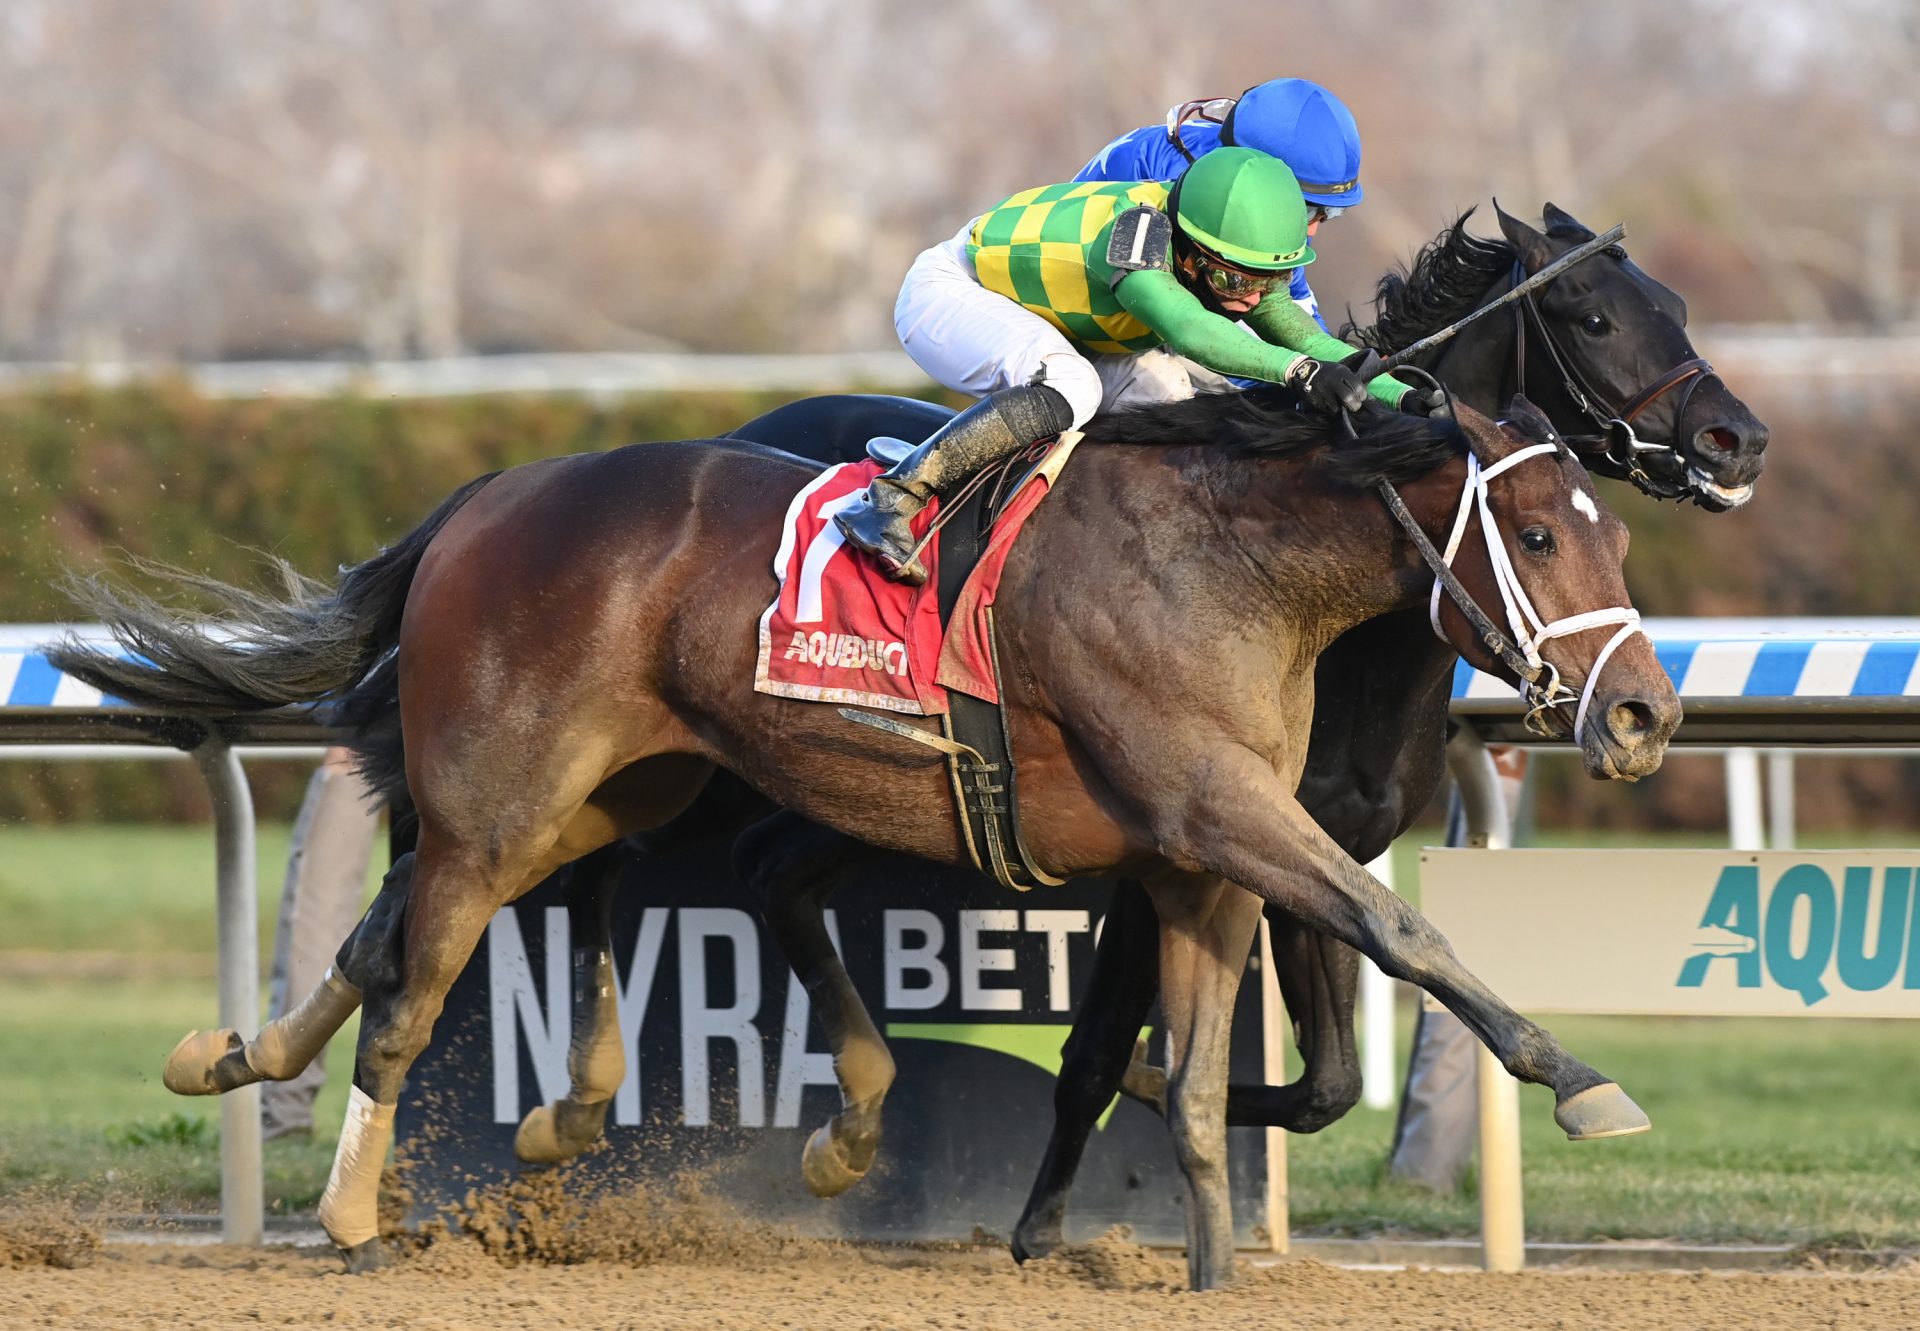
(1616, 442)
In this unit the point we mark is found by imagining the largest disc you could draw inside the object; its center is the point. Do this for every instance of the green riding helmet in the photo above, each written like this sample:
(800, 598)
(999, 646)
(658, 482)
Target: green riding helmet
(1244, 207)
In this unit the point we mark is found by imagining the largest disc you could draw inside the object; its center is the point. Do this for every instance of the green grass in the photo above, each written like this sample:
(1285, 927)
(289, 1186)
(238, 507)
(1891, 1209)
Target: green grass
(1800, 1131)
(1764, 1131)
(83, 1113)
(80, 1090)
(146, 890)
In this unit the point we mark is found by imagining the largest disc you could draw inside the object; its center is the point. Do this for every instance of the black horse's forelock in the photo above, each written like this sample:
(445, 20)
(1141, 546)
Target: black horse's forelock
(1447, 280)
(1268, 423)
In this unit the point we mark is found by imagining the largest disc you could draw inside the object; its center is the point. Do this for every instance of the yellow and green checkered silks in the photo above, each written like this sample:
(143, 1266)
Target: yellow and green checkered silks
(1047, 249)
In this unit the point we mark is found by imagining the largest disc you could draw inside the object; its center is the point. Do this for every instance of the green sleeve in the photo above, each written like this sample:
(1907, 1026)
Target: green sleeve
(1277, 319)
(1156, 298)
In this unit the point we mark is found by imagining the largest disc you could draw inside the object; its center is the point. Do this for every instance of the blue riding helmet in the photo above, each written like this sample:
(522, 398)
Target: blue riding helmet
(1306, 127)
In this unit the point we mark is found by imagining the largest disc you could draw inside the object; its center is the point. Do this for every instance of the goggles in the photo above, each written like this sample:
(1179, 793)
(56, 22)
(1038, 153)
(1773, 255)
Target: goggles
(1320, 212)
(1237, 283)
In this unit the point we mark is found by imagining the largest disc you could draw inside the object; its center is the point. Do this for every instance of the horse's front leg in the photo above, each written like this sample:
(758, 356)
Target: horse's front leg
(1239, 821)
(795, 864)
(596, 1055)
(1206, 929)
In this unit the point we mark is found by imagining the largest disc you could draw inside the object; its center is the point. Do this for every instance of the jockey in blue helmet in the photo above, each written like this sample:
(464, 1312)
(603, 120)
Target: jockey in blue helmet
(1297, 121)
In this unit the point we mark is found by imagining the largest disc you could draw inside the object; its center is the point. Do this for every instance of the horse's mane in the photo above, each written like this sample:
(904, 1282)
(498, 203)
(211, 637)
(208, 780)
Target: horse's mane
(1448, 277)
(1268, 423)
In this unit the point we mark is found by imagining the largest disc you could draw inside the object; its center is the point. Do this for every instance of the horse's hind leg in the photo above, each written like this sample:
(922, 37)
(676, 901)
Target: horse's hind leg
(407, 968)
(1206, 930)
(795, 865)
(642, 796)
(1319, 980)
(215, 1062)
(1120, 993)
(596, 1056)
(463, 873)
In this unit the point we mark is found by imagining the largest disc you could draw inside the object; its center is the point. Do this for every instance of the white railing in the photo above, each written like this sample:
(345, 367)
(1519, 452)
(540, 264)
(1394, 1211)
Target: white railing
(1791, 356)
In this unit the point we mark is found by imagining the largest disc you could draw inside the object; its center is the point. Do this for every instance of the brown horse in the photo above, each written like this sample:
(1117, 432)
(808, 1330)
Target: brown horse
(575, 655)
(1588, 350)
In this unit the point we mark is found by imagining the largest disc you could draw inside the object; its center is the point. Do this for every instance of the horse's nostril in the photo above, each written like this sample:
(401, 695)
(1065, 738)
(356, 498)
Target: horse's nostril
(1718, 439)
(1630, 720)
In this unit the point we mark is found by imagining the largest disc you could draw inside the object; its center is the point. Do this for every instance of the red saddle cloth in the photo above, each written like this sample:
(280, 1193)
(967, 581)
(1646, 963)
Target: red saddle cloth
(840, 631)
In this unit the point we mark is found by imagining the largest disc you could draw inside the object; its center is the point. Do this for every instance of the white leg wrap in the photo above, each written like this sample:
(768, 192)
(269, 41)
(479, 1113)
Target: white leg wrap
(287, 1045)
(349, 1208)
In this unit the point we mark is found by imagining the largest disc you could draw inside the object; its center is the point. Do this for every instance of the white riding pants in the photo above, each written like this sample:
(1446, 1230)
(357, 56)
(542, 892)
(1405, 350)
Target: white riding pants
(977, 341)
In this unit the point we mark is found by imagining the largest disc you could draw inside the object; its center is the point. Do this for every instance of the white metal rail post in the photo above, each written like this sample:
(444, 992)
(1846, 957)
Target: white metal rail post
(1379, 1077)
(1502, 1201)
(242, 1182)
(1831, 685)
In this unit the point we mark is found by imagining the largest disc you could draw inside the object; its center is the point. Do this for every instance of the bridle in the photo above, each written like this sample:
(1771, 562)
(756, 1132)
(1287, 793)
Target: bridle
(1518, 645)
(1616, 442)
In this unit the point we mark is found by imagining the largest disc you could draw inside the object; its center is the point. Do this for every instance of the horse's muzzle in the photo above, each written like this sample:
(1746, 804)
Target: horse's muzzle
(1724, 453)
(1626, 735)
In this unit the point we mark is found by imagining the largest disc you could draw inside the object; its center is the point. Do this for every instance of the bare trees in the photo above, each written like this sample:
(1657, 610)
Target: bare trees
(422, 177)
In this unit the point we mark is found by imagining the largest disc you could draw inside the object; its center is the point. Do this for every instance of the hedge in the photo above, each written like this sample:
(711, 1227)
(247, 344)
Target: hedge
(90, 475)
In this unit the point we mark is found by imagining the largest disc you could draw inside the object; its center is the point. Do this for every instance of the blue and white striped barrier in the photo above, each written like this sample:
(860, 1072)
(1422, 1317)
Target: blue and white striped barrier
(1766, 659)
(28, 678)
(1759, 658)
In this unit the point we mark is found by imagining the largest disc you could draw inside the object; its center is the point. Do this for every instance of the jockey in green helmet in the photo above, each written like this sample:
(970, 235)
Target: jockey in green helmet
(1069, 298)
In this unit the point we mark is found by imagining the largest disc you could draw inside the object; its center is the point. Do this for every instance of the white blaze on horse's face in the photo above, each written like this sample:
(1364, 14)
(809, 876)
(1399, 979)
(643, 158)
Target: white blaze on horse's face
(1584, 502)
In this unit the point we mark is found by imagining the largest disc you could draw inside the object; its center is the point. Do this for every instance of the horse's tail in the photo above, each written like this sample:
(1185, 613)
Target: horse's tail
(256, 652)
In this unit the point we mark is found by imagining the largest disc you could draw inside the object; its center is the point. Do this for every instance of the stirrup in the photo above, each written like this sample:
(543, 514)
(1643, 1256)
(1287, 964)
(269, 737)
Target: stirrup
(873, 531)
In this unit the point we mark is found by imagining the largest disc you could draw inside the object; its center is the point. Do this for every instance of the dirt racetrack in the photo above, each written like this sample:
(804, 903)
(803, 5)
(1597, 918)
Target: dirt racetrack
(1107, 1286)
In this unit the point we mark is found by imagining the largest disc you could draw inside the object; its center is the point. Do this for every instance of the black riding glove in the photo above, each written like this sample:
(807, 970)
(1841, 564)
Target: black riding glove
(1328, 387)
(1430, 402)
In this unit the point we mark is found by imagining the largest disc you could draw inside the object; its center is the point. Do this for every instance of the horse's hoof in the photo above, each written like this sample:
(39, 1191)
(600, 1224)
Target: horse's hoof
(552, 1133)
(1032, 1246)
(536, 1142)
(190, 1067)
(1213, 1276)
(364, 1257)
(826, 1170)
(1600, 1111)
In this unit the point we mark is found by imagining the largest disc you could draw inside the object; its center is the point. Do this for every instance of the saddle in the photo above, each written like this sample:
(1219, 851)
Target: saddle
(926, 650)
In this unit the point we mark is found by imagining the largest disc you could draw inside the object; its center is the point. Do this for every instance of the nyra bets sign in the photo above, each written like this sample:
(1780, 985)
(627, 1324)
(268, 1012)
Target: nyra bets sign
(1691, 932)
(727, 1069)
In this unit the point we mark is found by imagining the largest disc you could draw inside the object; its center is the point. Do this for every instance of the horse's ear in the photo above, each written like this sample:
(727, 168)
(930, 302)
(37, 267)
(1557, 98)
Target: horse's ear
(1534, 250)
(1563, 225)
(1523, 416)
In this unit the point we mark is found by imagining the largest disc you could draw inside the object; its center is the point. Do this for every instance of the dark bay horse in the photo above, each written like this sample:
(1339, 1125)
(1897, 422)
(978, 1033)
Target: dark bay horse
(566, 648)
(1603, 343)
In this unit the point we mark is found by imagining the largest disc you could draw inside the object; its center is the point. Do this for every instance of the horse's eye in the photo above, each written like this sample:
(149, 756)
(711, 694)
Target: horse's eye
(1593, 325)
(1537, 540)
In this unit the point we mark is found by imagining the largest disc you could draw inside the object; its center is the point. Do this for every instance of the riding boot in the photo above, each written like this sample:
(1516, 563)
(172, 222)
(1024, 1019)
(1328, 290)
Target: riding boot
(996, 425)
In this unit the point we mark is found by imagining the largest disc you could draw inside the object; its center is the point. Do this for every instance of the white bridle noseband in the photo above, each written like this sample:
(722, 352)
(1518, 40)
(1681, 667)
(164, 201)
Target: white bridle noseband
(1544, 691)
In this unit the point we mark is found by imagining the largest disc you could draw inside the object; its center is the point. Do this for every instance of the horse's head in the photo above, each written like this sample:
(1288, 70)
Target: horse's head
(1606, 341)
(1552, 579)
